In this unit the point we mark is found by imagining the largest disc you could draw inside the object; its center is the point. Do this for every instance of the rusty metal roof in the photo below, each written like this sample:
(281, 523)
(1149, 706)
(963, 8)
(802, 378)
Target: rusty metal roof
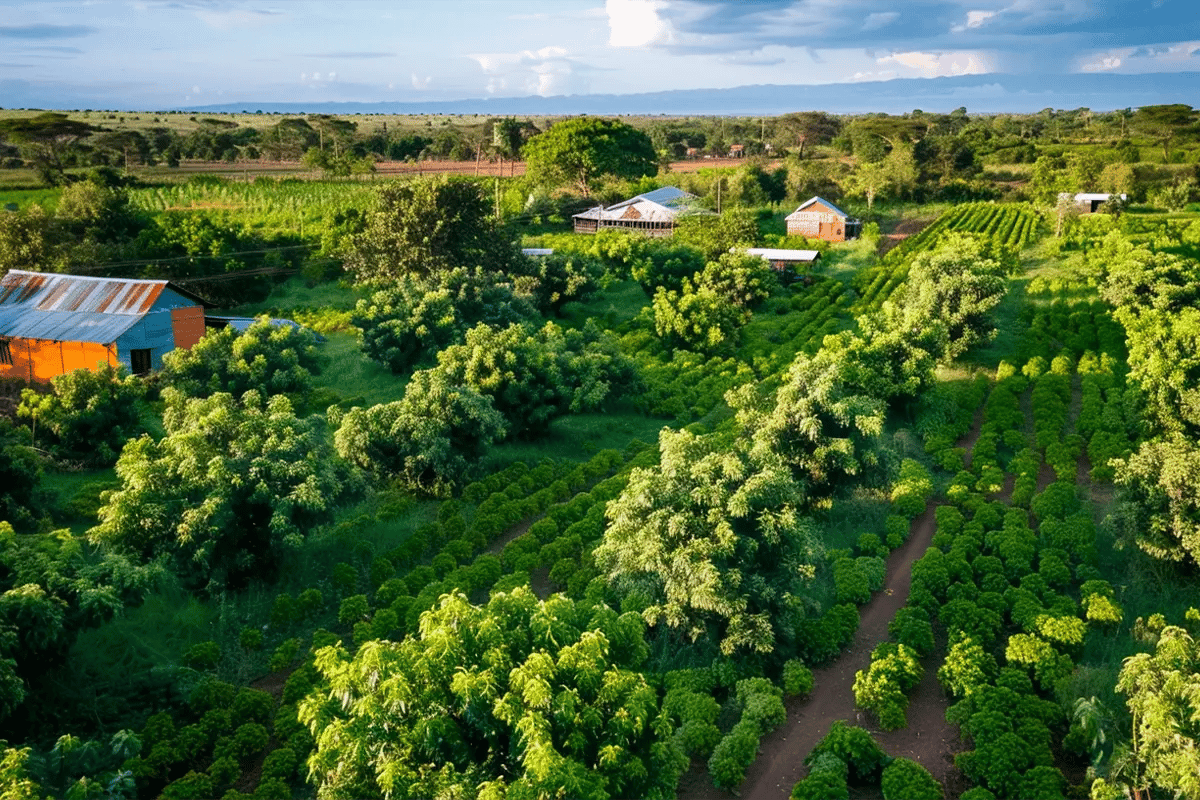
(73, 308)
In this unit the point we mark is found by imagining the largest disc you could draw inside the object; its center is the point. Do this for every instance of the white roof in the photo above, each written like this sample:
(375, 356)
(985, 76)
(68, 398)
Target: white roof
(823, 201)
(537, 251)
(1091, 197)
(778, 254)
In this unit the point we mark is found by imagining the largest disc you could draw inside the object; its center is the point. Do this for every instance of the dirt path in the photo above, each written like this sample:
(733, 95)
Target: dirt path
(928, 739)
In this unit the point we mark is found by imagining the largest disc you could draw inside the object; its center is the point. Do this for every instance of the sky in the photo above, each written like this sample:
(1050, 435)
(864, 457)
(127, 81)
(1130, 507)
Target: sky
(162, 54)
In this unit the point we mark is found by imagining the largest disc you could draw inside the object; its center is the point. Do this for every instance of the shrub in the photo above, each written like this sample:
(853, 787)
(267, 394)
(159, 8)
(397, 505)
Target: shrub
(354, 609)
(733, 755)
(856, 747)
(911, 628)
(797, 678)
(202, 656)
(250, 638)
(284, 655)
(907, 780)
(90, 413)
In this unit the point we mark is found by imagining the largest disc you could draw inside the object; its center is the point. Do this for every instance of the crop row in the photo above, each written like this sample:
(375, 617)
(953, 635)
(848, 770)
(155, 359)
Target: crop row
(1072, 327)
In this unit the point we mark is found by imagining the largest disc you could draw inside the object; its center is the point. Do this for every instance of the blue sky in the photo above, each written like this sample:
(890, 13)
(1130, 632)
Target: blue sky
(158, 54)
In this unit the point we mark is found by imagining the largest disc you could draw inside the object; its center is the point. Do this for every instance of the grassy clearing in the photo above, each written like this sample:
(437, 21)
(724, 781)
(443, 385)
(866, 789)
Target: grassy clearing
(615, 305)
(352, 375)
(578, 437)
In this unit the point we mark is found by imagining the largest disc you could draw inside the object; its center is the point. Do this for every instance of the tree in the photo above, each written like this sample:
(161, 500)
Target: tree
(1161, 481)
(424, 227)
(1163, 688)
(534, 376)
(1163, 123)
(21, 495)
(427, 439)
(229, 488)
(90, 414)
(809, 128)
(32, 240)
(951, 290)
(714, 537)
(518, 698)
(46, 140)
(578, 151)
(265, 357)
(50, 592)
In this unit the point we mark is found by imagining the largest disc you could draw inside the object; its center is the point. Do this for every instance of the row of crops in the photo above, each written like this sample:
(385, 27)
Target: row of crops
(1009, 225)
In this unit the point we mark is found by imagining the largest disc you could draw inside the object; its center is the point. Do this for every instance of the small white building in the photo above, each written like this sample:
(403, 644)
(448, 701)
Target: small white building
(818, 218)
(1090, 202)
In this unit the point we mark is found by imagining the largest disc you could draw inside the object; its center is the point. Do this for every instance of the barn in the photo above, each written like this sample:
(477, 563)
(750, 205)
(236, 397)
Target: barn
(653, 213)
(51, 324)
(820, 219)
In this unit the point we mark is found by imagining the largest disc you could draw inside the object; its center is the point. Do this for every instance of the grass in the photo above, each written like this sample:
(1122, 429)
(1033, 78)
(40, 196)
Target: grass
(296, 294)
(613, 306)
(23, 197)
(578, 437)
(351, 375)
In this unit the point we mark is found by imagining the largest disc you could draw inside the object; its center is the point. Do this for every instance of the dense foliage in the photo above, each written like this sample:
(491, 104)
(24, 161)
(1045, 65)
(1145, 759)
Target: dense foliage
(89, 415)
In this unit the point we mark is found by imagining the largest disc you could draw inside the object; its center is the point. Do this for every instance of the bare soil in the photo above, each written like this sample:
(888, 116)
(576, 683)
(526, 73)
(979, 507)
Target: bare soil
(928, 739)
(903, 229)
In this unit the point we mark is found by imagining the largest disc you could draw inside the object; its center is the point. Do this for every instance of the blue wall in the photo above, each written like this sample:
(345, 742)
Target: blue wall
(153, 331)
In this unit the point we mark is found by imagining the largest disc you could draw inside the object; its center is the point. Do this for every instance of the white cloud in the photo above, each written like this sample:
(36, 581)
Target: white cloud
(195, 90)
(636, 23)
(547, 71)
(420, 84)
(975, 19)
(880, 19)
(1102, 64)
(235, 18)
(935, 65)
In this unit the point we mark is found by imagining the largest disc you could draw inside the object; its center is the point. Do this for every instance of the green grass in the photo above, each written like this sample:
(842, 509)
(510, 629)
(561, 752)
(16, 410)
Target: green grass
(350, 374)
(577, 438)
(616, 304)
(297, 294)
(24, 197)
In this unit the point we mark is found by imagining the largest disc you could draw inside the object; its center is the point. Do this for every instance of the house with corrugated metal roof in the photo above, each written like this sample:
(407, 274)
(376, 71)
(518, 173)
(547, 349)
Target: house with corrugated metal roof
(652, 213)
(51, 324)
(820, 219)
(1089, 202)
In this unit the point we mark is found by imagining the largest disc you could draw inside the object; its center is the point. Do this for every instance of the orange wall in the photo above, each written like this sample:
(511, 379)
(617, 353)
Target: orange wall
(188, 325)
(39, 360)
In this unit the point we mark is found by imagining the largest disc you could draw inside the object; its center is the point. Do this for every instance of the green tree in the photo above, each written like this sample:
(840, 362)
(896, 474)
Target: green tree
(905, 779)
(428, 439)
(90, 414)
(21, 495)
(424, 227)
(1164, 123)
(47, 140)
(265, 357)
(32, 240)
(1163, 688)
(688, 532)
(518, 698)
(578, 151)
(226, 491)
(951, 290)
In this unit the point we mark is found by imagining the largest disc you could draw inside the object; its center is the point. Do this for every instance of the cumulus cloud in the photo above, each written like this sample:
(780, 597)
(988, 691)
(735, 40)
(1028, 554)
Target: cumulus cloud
(636, 23)
(936, 65)
(420, 84)
(546, 72)
(975, 19)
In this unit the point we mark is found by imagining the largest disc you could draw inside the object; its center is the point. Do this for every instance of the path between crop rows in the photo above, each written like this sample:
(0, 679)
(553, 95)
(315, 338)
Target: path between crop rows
(928, 738)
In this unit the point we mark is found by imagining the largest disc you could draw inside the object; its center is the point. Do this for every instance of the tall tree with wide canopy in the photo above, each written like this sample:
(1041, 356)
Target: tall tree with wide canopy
(713, 536)
(45, 140)
(578, 151)
(424, 227)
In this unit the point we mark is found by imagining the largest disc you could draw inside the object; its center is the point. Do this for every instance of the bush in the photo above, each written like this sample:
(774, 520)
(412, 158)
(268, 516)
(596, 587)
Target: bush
(856, 747)
(202, 656)
(797, 678)
(250, 638)
(284, 655)
(907, 780)
(90, 414)
(733, 755)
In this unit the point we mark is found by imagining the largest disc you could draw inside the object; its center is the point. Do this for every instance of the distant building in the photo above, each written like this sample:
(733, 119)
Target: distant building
(737, 150)
(51, 324)
(693, 152)
(1089, 202)
(820, 219)
(788, 263)
(537, 251)
(653, 213)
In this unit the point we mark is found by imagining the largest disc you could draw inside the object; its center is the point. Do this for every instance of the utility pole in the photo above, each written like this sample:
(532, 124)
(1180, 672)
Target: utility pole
(719, 182)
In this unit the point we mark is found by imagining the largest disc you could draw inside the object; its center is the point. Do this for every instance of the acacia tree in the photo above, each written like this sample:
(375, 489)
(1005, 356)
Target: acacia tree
(230, 486)
(46, 140)
(578, 151)
(713, 536)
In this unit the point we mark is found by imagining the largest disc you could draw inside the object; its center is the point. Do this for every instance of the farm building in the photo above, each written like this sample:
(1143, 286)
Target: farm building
(1089, 202)
(786, 262)
(653, 213)
(52, 324)
(821, 219)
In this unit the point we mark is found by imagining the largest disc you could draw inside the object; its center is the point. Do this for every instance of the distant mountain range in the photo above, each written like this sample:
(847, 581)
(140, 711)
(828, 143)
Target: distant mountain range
(998, 93)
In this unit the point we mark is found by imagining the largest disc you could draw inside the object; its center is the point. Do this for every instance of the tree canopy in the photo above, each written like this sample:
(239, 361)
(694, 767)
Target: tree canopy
(579, 151)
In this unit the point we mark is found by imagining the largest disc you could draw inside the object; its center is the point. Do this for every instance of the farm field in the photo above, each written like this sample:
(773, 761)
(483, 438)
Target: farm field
(645, 517)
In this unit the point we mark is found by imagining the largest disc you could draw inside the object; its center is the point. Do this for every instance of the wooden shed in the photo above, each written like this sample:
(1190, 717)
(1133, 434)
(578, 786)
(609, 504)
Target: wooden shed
(52, 324)
(820, 219)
